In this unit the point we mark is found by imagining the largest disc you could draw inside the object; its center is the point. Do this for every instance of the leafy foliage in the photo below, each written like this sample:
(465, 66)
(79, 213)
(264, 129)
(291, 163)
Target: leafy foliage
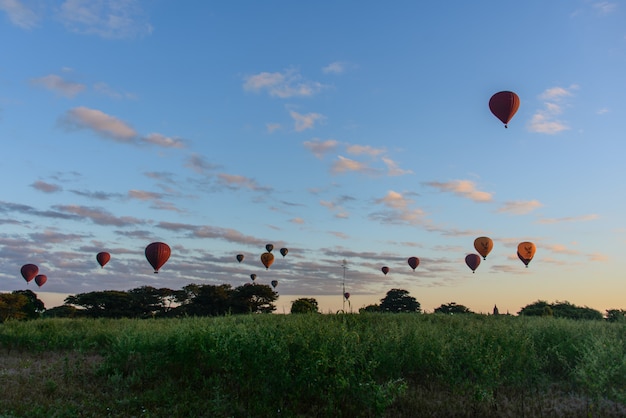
(452, 308)
(398, 300)
(560, 310)
(304, 305)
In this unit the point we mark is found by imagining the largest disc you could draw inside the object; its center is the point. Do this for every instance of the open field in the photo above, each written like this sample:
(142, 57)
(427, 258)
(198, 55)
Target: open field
(368, 365)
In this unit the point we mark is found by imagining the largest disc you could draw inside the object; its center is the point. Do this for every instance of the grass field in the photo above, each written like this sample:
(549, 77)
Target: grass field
(367, 365)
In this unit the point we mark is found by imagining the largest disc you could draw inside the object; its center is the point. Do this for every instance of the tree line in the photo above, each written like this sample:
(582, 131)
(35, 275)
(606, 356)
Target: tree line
(218, 300)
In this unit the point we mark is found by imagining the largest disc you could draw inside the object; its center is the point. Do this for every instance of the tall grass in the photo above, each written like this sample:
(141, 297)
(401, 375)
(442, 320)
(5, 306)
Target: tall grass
(326, 365)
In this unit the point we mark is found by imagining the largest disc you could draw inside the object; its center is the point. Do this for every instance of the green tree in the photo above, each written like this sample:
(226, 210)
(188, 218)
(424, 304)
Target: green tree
(398, 300)
(35, 307)
(616, 315)
(560, 310)
(304, 305)
(63, 311)
(370, 308)
(253, 298)
(12, 306)
(452, 308)
(104, 304)
(205, 300)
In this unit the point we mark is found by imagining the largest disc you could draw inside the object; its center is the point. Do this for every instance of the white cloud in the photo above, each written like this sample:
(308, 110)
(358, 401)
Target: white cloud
(582, 218)
(393, 169)
(463, 188)
(163, 141)
(605, 7)
(59, 85)
(19, 14)
(345, 164)
(336, 67)
(546, 120)
(99, 122)
(113, 19)
(304, 122)
(319, 147)
(398, 210)
(364, 149)
(520, 207)
(283, 85)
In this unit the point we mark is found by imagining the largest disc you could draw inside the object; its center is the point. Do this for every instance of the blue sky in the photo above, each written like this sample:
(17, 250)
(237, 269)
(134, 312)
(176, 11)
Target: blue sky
(348, 130)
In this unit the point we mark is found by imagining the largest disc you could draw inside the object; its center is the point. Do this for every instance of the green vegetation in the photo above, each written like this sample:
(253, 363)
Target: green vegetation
(367, 365)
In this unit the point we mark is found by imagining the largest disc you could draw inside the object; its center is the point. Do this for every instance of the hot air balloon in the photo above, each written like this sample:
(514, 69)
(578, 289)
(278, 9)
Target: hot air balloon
(253, 276)
(29, 271)
(103, 258)
(503, 105)
(284, 251)
(385, 270)
(40, 279)
(269, 248)
(267, 259)
(483, 245)
(526, 252)
(346, 295)
(472, 261)
(414, 262)
(240, 257)
(157, 254)
(274, 283)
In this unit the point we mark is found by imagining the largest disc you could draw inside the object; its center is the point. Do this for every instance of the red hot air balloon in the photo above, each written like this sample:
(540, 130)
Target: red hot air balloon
(267, 259)
(414, 262)
(29, 271)
(157, 254)
(103, 258)
(284, 251)
(346, 295)
(41, 279)
(385, 270)
(274, 283)
(503, 105)
(472, 261)
(240, 257)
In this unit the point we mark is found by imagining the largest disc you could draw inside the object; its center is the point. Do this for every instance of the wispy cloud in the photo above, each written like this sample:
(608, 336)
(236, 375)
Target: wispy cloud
(106, 90)
(100, 123)
(398, 210)
(605, 7)
(163, 141)
(547, 120)
(283, 85)
(199, 164)
(393, 169)
(272, 127)
(111, 19)
(345, 165)
(19, 14)
(42, 186)
(58, 85)
(336, 67)
(582, 218)
(99, 216)
(304, 122)
(463, 188)
(241, 182)
(319, 148)
(519, 207)
(364, 150)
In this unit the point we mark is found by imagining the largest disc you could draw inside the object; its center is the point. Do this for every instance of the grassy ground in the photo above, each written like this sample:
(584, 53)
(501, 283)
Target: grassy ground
(310, 366)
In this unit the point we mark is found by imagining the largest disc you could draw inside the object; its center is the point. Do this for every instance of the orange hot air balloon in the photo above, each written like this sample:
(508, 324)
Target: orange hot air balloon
(526, 252)
(253, 277)
(413, 262)
(284, 251)
(103, 258)
(385, 270)
(483, 245)
(274, 283)
(269, 248)
(472, 261)
(29, 271)
(41, 279)
(346, 295)
(157, 254)
(503, 105)
(267, 259)
(240, 257)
